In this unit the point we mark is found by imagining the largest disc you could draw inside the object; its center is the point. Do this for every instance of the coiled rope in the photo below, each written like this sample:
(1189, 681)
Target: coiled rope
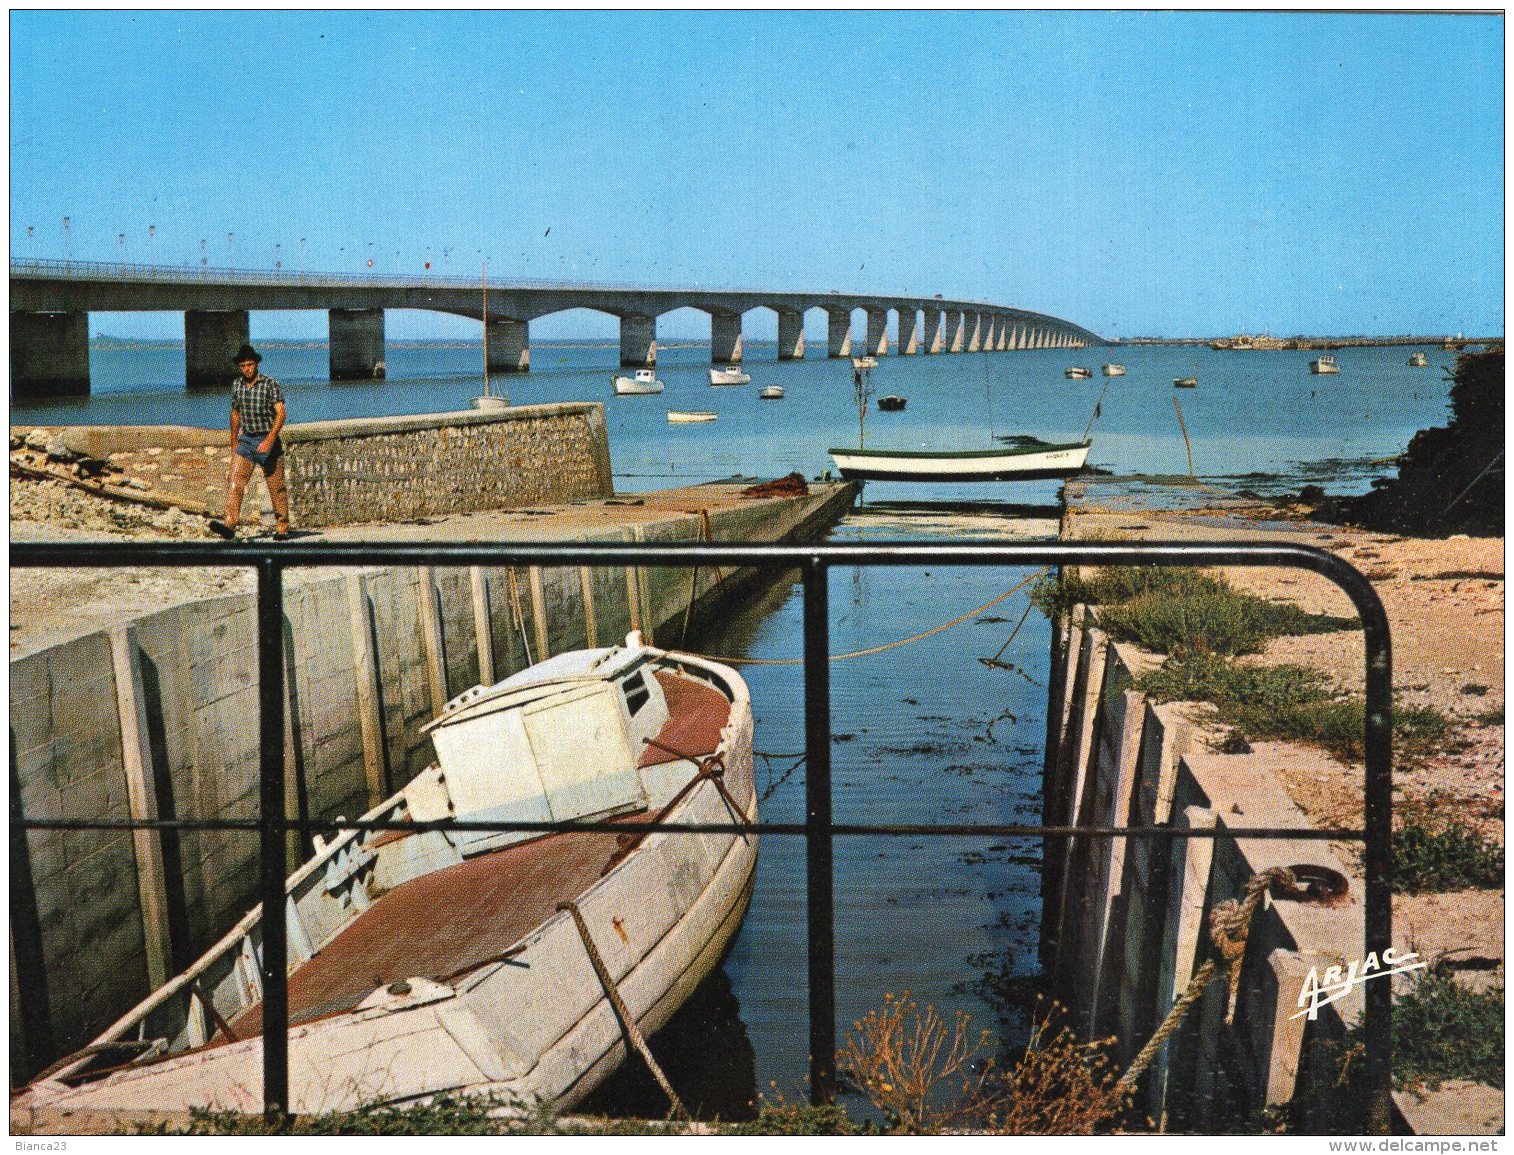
(1229, 927)
(1014, 589)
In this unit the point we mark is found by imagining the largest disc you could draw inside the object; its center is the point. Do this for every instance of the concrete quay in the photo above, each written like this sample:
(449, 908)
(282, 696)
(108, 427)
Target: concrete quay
(1124, 922)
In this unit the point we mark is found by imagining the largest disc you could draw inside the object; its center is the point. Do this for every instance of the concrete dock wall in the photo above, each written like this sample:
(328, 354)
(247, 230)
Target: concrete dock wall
(374, 469)
(1125, 921)
(158, 717)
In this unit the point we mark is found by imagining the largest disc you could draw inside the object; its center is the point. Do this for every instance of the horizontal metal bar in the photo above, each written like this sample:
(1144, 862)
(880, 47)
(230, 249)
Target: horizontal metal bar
(678, 554)
(965, 830)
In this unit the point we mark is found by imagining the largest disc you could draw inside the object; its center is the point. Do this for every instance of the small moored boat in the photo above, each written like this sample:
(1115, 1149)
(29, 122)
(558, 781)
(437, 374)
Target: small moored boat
(1113, 370)
(892, 403)
(1324, 363)
(1078, 372)
(453, 961)
(1185, 382)
(771, 393)
(729, 375)
(864, 362)
(1419, 360)
(644, 381)
(690, 416)
(1026, 460)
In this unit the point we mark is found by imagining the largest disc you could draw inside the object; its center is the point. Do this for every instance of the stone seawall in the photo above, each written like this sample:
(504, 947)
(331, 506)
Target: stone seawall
(364, 470)
(157, 717)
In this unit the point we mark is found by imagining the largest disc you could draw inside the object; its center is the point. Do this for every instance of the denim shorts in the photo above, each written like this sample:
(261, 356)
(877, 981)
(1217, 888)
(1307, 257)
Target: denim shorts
(247, 446)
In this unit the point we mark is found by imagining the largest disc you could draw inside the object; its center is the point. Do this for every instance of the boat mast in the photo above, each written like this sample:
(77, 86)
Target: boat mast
(861, 382)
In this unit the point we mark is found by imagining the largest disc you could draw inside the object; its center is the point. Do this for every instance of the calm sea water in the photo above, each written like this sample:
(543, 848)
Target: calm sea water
(1253, 412)
(923, 733)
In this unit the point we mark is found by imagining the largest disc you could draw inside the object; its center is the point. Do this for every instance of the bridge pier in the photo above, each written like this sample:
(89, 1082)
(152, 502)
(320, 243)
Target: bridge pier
(1001, 334)
(509, 345)
(909, 332)
(49, 354)
(638, 341)
(790, 335)
(957, 325)
(935, 330)
(211, 340)
(356, 344)
(991, 332)
(838, 327)
(725, 338)
(877, 333)
(973, 323)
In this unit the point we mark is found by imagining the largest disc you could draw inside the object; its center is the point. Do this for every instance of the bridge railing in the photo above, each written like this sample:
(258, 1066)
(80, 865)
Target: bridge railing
(53, 269)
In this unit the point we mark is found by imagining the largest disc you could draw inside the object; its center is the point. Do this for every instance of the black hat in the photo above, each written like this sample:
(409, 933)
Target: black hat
(246, 353)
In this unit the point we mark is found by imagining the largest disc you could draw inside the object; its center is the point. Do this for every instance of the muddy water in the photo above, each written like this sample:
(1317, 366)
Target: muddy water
(923, 733)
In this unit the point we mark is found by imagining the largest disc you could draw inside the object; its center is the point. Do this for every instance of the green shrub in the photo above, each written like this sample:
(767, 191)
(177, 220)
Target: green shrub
(1176, 611)
(1110, 585)
(1290, 703)
(1443, 1031)
(1433, 853)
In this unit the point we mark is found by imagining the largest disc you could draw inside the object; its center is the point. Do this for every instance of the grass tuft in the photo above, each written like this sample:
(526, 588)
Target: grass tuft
(1291, 703)
(1177, 611)
(1443, 1031)
(1433, 853)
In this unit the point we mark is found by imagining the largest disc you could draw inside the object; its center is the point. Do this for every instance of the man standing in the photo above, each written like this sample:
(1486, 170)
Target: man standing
(257, 415)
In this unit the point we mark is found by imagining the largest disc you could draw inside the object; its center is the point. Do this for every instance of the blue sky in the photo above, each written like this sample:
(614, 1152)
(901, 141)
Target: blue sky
(1136, 172)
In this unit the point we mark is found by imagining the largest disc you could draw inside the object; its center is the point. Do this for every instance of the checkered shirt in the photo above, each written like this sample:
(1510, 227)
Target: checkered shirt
(255, 400)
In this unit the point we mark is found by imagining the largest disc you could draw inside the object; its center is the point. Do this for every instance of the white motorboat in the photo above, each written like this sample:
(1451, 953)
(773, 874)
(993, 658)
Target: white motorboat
(1113, 370)
(1185, 382)
(864, 362)
(1027, 460)
(1324, 363)
(1418, 360)
(771, 393)
(445, 960)
(644, 381)
(691, 416)
(729, 375)
(1078, 372)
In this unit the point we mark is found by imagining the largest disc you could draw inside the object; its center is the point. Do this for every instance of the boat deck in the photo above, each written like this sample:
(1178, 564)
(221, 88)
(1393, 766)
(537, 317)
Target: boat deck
(460, 917)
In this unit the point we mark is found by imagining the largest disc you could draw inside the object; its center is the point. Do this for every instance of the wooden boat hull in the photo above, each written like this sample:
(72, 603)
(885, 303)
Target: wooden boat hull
(626, 387)
(1024, 464)
(690, 417)
(535, 1025)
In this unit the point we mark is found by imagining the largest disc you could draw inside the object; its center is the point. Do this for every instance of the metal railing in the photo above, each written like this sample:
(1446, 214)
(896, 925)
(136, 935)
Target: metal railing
(814, 561)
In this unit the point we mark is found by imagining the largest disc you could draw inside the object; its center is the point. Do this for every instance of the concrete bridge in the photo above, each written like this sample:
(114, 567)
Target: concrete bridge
(51, 302)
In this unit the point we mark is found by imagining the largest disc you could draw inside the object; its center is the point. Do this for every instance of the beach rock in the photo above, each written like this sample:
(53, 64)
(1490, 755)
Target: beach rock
(37, 439)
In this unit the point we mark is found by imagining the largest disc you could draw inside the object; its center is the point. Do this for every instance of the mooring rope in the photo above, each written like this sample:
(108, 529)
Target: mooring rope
(887, 645)
(627, 1022)
(1229, 928)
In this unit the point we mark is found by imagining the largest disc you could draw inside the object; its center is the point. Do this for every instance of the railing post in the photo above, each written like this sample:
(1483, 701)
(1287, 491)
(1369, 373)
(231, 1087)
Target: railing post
(818, 867)
(274, 964)
(1377, 863)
